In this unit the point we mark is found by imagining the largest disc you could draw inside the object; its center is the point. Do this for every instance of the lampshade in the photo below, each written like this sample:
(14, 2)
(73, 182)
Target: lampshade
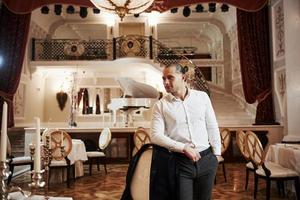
(123, 7)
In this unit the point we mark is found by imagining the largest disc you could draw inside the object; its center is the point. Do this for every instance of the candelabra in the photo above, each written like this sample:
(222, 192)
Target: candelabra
(4, 173)
(4, 189)
(36, 176)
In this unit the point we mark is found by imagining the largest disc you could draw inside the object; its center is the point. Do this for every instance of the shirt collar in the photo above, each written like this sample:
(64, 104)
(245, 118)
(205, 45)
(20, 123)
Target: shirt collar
(171, 97)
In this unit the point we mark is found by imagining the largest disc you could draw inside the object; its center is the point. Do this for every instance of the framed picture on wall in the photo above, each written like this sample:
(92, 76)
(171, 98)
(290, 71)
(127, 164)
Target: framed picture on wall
(278, 30)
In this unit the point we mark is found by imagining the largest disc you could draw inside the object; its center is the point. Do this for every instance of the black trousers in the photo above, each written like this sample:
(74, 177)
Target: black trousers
(196, 179)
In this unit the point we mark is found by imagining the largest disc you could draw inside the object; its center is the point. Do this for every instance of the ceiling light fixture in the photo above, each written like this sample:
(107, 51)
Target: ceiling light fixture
(96, 10)
(212, 7)
(57, 9)
(199, 8)
(45, 10)
(83, 12)
(174, 10)
(70, 9)
(224, 8)
(186, 11)
(123, 7)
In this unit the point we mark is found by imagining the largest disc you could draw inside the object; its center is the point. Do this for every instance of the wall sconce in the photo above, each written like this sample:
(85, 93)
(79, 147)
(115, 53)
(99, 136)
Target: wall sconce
(153, 20)
(111, 30)
(110, 22)
(152, 29)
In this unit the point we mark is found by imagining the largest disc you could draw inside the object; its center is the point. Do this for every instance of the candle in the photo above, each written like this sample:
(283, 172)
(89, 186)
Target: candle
(37, 153)
(4, 133)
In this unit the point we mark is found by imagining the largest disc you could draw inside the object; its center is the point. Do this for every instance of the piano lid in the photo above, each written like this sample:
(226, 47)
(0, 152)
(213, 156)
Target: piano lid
(136, 89)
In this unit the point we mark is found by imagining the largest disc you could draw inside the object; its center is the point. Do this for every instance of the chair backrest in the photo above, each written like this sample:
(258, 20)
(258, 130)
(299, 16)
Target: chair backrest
(240, 140)
(254, 148)
(225, 139)
(59, 138)
(140, 184)
(140, 138)
(104, 138)
(90, 145)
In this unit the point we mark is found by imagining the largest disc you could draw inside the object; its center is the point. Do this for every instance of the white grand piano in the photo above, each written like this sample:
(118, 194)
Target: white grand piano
(136, 95)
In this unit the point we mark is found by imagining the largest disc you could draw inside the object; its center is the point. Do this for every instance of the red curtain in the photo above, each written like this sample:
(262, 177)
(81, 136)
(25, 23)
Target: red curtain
(254, 48)
(13, 38)
(26, 6)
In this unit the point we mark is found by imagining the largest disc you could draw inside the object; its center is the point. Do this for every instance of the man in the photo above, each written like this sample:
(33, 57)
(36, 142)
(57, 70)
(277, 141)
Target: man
(184, 122)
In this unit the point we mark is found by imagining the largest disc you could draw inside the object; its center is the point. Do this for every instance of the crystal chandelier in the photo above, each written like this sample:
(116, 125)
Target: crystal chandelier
(123, 7)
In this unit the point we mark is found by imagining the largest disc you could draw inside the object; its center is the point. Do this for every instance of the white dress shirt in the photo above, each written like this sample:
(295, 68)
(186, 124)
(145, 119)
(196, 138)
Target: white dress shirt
(176, 123)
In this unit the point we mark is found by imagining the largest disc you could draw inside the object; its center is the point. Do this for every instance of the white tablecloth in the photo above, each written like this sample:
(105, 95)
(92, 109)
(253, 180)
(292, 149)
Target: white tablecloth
(77, 155)
(287, 155)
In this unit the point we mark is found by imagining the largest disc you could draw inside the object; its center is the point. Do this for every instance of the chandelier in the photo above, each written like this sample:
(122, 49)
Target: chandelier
(123, 7)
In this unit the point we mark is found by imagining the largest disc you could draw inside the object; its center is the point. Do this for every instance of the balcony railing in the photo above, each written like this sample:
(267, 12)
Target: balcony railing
(121, 47)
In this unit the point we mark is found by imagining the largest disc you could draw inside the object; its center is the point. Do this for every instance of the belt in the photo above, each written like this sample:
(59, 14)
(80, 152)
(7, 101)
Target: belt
(202, 153)
(205, 152)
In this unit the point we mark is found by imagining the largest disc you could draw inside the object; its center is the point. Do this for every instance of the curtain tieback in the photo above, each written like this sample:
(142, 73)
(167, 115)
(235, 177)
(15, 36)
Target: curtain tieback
(7, 97)
(263, 95)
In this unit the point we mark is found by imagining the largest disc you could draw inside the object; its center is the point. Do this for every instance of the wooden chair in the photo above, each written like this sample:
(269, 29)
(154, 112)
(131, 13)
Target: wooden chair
(268, 171)
(240, 140)
(16, 161)
(59, 139)
(98, 154)
(225, 141)
(140, 138)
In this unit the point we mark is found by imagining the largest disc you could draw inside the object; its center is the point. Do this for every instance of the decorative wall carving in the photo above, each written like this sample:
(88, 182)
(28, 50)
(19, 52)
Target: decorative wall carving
(278, 30)
(36, 31)
(19, 101)
(280, 87)
(235, 60)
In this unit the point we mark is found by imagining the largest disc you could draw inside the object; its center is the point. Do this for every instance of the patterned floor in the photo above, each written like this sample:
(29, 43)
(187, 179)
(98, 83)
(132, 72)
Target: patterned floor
(110, 187)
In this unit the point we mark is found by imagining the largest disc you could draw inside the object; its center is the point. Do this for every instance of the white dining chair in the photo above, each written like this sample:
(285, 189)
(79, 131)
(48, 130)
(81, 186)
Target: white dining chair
(98, 154)
(269, 171)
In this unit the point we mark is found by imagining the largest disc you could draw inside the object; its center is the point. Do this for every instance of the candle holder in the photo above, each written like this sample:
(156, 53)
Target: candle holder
(37, 181)
(36, 176)
(47, 161)
(32, 150)
(4, 173)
